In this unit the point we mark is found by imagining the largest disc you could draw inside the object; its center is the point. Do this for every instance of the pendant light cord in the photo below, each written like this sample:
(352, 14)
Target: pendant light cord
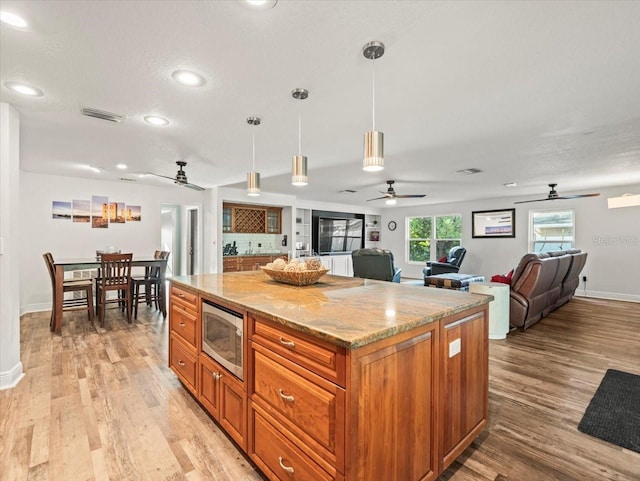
(373, 68)
(253, 142)
(299, 131)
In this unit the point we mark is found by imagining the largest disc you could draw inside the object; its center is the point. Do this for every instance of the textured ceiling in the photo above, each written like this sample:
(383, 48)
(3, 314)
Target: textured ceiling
(531, 92)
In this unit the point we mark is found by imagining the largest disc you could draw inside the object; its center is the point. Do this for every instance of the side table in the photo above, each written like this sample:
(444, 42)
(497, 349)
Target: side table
(498, 308)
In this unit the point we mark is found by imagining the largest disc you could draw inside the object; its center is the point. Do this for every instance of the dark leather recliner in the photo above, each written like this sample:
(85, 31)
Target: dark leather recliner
(454, 261)
(375, 264)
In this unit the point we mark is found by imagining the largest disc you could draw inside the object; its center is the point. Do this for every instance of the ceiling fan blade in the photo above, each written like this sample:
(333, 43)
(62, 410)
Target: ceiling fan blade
(577, 196)
(163, 176)
(193, 186)
(378, 198)
(536, 200)
(410, 196)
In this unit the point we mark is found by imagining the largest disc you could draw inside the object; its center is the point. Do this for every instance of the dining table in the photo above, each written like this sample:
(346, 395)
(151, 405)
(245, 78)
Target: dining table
(77, 264)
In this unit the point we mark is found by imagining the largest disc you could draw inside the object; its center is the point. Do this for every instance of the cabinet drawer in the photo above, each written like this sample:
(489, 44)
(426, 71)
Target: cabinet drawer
(325, 359)
(183, 362)
(312, 407)
(186, 297)
(278, 458)
(183, 322)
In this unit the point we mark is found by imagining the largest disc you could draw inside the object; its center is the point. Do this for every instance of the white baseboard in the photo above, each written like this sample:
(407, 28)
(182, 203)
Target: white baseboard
(43, 306)
(12, 377)
(613, 296)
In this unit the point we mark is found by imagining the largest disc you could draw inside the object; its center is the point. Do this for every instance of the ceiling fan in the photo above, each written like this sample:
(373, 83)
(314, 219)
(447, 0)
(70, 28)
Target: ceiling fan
(390, 194)
(553, 195)
(181, 177)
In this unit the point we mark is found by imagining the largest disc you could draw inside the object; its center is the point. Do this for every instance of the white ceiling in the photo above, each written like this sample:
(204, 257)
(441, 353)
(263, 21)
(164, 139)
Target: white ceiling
(531, 92)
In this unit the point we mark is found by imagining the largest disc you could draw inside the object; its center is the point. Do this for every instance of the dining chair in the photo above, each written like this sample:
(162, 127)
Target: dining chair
(74, 303)
(152, 290)
(115, 275)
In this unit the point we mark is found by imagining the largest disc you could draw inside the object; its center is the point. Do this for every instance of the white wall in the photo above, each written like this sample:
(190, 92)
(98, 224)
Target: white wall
(40, 233)
(611, 237)
(11, 370)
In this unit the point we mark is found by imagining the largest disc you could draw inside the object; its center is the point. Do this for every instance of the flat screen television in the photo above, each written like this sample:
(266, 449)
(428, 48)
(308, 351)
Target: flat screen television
(339, 235)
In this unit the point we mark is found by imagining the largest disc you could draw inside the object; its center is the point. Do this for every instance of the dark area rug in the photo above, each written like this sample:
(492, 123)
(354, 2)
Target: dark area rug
(614, 412)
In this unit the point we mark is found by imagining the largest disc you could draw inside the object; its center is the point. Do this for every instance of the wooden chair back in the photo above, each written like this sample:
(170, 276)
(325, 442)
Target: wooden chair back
(115, 271)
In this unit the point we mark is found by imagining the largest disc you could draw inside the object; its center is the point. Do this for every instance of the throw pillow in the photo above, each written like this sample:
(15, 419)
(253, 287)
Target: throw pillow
(443, 259)
(503, 279)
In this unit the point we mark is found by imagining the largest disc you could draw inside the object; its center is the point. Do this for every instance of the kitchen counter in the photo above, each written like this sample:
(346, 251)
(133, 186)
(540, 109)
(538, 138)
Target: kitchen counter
(257, 254)
(347, 312)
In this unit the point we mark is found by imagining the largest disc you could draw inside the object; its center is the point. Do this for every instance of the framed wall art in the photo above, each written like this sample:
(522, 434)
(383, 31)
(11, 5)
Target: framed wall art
(493, 223)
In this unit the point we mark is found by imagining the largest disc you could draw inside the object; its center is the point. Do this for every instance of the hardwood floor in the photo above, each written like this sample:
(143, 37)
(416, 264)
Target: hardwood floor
(103, 405)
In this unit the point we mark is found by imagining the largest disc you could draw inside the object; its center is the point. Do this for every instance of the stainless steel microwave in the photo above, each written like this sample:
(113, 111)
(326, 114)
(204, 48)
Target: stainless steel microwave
(223, 336)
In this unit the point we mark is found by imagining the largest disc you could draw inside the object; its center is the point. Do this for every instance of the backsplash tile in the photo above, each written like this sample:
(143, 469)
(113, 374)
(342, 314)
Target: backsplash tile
(259, 243)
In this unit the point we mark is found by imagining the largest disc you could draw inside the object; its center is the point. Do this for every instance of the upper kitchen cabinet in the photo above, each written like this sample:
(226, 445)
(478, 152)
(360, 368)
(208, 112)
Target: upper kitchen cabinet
(251, 219)
(274, 220)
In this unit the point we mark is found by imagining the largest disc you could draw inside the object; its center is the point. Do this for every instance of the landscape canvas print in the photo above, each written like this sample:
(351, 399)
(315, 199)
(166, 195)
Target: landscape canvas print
(81, 210)
(61, 210)
(134, 213)
(99, 212)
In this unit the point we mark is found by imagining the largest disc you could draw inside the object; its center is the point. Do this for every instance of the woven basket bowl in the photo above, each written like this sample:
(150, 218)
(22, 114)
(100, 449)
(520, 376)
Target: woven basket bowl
(296, 278)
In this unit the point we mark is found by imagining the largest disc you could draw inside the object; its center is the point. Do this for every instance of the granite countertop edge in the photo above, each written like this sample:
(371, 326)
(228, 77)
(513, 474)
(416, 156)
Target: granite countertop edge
(352, 341)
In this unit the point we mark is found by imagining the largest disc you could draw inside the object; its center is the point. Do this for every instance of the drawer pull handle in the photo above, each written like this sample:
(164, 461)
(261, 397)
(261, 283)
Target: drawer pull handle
(182, 324)
(181, 362)
(288, 469)
(181, 294)
(289, 344)
(285, 397)
(217, 376)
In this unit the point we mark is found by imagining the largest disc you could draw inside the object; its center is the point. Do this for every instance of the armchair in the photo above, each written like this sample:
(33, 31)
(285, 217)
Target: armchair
(375, 264)
(454, 261)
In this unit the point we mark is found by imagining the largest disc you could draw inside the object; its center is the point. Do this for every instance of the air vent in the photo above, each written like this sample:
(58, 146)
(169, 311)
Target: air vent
(101, 114)
(470, 171)
(347, 191)
(127, 180)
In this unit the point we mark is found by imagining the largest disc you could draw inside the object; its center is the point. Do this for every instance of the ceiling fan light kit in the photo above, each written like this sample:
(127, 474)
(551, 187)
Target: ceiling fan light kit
(299, 174)
(373, 140)
(253, 177)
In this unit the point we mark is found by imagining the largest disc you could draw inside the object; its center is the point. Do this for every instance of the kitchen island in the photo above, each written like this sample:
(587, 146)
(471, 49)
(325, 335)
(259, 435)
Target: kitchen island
(347, 379)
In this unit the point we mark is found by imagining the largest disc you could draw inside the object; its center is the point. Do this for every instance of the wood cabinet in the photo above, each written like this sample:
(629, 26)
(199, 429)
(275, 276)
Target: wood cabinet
(400, 408)
(465, 375)
(296, 404)
(224, 397)
(184, 338)
(248, 263)
(251, 219)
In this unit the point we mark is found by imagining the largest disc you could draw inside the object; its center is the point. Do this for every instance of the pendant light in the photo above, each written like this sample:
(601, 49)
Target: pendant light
(299, 164)
(373, 140)
(253, 177)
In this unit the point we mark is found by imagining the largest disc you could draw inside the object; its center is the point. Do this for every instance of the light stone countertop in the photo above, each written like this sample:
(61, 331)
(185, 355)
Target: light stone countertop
(345, 311)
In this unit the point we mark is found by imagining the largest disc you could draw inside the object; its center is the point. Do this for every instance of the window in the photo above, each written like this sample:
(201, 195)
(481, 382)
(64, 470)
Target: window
(551, 230)
(442, 232)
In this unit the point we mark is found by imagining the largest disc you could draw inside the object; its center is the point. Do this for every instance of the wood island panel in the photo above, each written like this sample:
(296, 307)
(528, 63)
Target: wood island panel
(348, 380)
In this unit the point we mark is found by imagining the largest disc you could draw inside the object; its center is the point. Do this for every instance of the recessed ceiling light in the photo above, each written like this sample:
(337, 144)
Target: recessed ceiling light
(188, 78)
(262, 4)
(152, 119)
(121, 166)
(13, 20)
(511, 184)
(24, 89)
